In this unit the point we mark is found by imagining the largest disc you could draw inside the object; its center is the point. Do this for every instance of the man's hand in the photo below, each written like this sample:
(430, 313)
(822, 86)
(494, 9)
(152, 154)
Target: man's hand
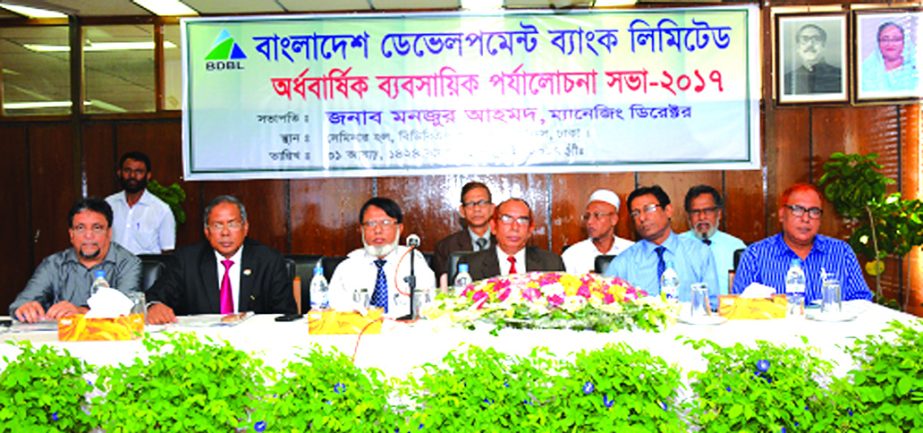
(30, 312)
(62, 309)
(159, 314)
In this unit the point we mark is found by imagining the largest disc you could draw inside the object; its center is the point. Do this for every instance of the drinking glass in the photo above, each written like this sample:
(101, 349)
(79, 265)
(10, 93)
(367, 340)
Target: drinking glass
(700, 300)
(832, 296)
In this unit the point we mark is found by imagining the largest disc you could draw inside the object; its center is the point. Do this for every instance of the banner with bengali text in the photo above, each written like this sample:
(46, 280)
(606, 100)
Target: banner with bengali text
(395, 95)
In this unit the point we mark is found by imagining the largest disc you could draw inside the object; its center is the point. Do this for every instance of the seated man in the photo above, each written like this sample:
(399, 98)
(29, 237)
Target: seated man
(476, 209)
(644, 263)
(381, 265)
(602, 214)
(704, 209)
(513, 224)
(768, 260)
(226, 274)
(61, 284)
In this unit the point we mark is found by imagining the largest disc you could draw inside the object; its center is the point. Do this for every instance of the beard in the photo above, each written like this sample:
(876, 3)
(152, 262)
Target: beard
(89, 255)
(381, 250)
(705, 230)
(133, 186)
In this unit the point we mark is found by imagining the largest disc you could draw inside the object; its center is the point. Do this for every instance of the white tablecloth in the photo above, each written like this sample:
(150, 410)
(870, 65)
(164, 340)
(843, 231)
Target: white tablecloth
(403, 346)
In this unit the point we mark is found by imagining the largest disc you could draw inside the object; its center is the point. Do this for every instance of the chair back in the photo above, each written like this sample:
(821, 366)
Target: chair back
(738, 253)
(303, 267)
(150, 272)
(330, 264)
(602, 262)
(456, 257)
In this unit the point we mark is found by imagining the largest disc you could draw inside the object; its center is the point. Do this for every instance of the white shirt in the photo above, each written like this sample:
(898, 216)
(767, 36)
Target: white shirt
(580, 258)
(359, 271)
(233, 274)
(147, 227)
(505, 264)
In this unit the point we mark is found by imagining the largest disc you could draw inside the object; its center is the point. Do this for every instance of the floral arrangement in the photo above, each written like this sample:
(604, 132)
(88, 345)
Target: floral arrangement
(556, 300)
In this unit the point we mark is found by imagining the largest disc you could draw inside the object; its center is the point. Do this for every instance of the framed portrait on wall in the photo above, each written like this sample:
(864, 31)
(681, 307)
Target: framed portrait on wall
(811, 58)
(888, 54)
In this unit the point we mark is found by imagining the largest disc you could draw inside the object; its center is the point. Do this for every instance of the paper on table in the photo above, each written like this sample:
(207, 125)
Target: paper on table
(757, 290)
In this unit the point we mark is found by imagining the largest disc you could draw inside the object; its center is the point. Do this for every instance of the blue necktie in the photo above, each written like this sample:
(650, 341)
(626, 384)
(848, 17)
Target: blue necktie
(661, 265)
(380, 295)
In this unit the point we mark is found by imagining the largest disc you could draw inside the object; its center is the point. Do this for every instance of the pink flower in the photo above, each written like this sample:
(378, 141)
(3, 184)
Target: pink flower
(504, 294)
(531, 294)
(478, 296)
(555, 300)
(608, 299)
(549, 278)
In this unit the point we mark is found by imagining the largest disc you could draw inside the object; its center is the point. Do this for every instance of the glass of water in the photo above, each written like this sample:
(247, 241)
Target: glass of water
(832, 296)
(700, 300)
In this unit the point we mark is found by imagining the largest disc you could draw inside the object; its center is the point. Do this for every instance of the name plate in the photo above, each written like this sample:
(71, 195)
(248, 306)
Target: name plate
(342, 322)
(80, 328)
(734, 307)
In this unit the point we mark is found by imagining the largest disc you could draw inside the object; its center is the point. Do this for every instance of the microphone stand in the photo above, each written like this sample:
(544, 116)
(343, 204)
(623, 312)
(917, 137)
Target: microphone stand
(411, 281)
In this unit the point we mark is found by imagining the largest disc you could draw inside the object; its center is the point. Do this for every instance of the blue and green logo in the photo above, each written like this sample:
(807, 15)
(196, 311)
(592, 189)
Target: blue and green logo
(225, 48)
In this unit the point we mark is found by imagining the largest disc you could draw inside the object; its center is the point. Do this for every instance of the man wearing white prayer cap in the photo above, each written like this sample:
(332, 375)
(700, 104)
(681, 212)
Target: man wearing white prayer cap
(600, 217)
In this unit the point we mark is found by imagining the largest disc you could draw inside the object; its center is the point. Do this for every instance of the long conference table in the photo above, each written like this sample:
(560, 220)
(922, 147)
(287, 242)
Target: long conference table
(401, 347)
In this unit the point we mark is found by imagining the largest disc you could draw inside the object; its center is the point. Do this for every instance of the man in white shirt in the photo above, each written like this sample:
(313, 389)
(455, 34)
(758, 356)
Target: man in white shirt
(381, 265)
(703, 208)
(601, 216)
(142, 223)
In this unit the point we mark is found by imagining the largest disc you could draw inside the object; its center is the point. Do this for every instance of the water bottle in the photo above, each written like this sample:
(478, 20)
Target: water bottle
(669, 282)
(319, 291)
(794, 288)
(462, 279)
(99, 280)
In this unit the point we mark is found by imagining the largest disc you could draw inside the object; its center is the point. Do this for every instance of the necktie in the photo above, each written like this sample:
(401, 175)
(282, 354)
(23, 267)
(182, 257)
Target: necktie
(512, 261)
(380, 295)
(227, 299)
(706, 242)
(481, 243)
(661, 265)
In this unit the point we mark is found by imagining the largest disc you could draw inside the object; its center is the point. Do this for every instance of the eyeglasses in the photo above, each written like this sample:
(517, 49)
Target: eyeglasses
(232, 226)
(597, 215)
(703, 211)
(807, 39)
(798, 211)
(646, 209)
(479, 203)
(384, 224)
(96, 229)
(508, 219)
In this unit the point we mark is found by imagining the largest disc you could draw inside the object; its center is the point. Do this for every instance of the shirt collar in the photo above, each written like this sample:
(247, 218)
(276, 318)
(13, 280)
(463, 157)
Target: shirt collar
(475, 237)
(670, 244)
(236, 258)
(821, 245)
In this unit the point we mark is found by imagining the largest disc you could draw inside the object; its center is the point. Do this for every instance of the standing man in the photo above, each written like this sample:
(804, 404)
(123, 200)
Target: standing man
(513, 224)
(227, 273)
(476, 209)
(704, 208)
(601, 216)
(61, 284)
(814, 74)
(644, 263)
(142, 223)
(768, 260)
(381, 265)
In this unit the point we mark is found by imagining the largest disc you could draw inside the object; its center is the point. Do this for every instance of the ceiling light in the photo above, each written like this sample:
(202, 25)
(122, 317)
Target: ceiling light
(33, 12)
(613, 3)
(99, 46)
(166, 8)
(482, 5)
(61, 104)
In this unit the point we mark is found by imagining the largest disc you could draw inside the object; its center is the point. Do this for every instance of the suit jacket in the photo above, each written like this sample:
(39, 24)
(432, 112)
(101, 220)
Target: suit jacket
(190, 283)
(458, 241)
(485, 264)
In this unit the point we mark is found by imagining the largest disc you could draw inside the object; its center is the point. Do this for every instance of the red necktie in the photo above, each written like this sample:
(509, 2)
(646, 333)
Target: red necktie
(227, 299)
(512, 261)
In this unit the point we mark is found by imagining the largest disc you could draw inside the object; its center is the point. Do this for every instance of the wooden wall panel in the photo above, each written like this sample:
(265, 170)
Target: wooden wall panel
(788, 158)
(324, 214)
(15, 232)
(101, 160)
(745, 205)
(569, 194)
(911, 140)
(267, 208)
(676, 184)
(54, 188)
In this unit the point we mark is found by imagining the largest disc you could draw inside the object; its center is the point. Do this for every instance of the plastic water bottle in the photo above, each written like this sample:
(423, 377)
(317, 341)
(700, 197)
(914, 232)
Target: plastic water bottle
(669, 282)
(794, 288)
(320, 290)
(462, 279)
(99, 280)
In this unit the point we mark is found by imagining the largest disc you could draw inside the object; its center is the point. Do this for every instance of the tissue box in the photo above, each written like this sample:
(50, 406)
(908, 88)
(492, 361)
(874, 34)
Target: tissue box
(734, 307)
(341, 322)
(79, 328)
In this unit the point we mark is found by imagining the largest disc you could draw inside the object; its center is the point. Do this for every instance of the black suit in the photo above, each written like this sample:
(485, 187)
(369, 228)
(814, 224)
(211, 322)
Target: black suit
(458, 241)
(190, 284)
(485, 264)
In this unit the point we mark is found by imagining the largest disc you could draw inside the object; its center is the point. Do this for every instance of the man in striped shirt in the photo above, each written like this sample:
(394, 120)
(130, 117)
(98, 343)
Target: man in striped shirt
(768, 260)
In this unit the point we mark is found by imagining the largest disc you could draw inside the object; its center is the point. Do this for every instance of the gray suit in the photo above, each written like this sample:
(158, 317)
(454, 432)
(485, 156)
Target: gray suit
(458, 241)
(485, 264)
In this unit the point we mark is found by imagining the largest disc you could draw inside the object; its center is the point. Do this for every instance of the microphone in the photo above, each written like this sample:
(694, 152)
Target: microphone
(413, 241)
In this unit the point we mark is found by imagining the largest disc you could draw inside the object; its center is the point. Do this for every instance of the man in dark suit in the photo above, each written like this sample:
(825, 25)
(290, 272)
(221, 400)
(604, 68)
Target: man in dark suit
(476, 209)
(227, 274)
(513, 224)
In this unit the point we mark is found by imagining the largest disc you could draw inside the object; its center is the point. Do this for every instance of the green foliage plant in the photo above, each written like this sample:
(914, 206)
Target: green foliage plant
(762, 388)
(325, 391)
(882, 224)
(186, 385)
(44, 390)
(173, 195)
(884, 392)
(617, 389)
